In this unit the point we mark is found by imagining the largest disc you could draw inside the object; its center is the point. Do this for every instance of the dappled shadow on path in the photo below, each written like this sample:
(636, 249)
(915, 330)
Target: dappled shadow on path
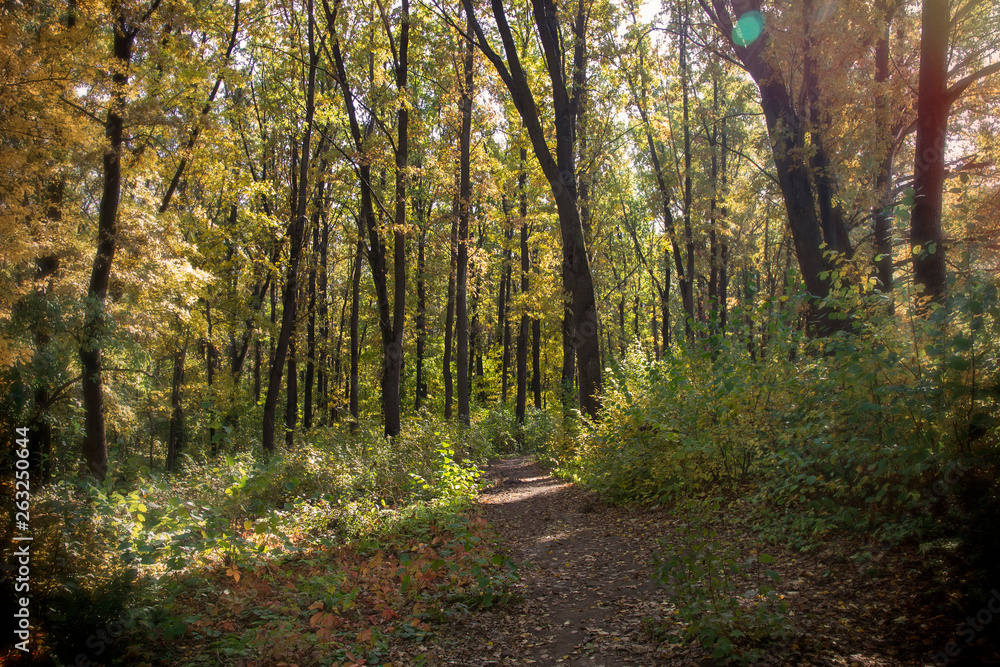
(585, 581)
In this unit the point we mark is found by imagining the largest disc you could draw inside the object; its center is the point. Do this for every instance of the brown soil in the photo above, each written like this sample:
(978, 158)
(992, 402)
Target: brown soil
(587, 597)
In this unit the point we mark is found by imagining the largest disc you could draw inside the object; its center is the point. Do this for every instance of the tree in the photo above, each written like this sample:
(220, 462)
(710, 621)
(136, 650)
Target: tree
(296, 232)
(126, 28)
(559, 169)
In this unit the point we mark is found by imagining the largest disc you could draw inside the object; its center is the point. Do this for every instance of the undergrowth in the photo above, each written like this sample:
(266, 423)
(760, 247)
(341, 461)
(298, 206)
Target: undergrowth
(891, 432)
(341, 545)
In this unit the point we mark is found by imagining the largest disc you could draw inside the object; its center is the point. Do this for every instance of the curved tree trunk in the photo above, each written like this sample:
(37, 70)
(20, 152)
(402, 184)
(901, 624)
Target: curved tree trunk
(95, 446)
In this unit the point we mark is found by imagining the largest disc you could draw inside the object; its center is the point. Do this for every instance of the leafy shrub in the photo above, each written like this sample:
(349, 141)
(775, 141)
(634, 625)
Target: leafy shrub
(716, 597)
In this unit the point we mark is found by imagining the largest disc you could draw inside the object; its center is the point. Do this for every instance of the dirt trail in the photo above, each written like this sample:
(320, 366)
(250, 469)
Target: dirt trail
(586, 591)
(586, 583)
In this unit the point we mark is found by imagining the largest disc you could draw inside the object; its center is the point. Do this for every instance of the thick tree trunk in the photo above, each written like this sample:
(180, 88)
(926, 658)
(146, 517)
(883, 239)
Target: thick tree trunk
(449, 318)
(933, 104)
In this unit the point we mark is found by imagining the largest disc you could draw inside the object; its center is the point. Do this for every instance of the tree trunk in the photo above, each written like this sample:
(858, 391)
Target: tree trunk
(883, 183)
(536, 361)
(323, 373)
(686, 278)
(291, 393)
(210, 365)
(421, 383)
(391, 378)
(929, 269)
(353, 389)
(391, 334)
(464, 196)
(296, 232)
(560, 172)
(175, 437)
(95, 446)
(503, 326)
(788, 126)
(449, 318)
(522, 335)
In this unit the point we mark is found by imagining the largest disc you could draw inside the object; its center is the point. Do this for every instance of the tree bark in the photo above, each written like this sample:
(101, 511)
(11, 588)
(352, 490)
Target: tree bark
(353, 389)
(522, 335)
(933, 104)
(175, 436)
(449, 319)
(393, 339)
(464, 197)
(95, 446)
(421, 323)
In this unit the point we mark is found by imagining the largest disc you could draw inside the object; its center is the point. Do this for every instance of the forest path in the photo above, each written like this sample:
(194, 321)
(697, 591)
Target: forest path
(586, 580)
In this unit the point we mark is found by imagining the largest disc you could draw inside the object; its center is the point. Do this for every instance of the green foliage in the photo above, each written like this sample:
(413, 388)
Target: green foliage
(854, 431)
(722, 604)
(495, 431)
(450, 479)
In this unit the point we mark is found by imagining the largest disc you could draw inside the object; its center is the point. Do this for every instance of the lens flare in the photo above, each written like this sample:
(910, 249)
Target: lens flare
(748, 28)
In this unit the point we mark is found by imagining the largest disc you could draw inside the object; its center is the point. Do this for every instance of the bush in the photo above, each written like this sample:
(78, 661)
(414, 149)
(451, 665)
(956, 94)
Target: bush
(718, 600)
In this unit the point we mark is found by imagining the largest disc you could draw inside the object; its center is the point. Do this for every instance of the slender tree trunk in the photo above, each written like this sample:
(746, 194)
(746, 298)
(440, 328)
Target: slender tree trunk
(291, 393)
(210, 365)
(256, 371)
(503, 326)
(536, 361)
(883, 182)
(307, 394)
(46, 266)
(392, 372)
(686, 278)
(175, 437)
(95, 447)
(465, 194)
(296, 232)
(323, 373)
(449, 319)
(353, 389)
(522, 335)
(421, 389)
(665, 302)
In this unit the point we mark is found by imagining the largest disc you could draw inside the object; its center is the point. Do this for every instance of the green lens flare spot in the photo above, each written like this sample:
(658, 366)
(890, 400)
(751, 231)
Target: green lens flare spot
(748, 28)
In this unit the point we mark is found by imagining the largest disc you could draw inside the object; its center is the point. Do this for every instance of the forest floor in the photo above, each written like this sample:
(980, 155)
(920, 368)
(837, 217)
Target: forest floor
(586, 594)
